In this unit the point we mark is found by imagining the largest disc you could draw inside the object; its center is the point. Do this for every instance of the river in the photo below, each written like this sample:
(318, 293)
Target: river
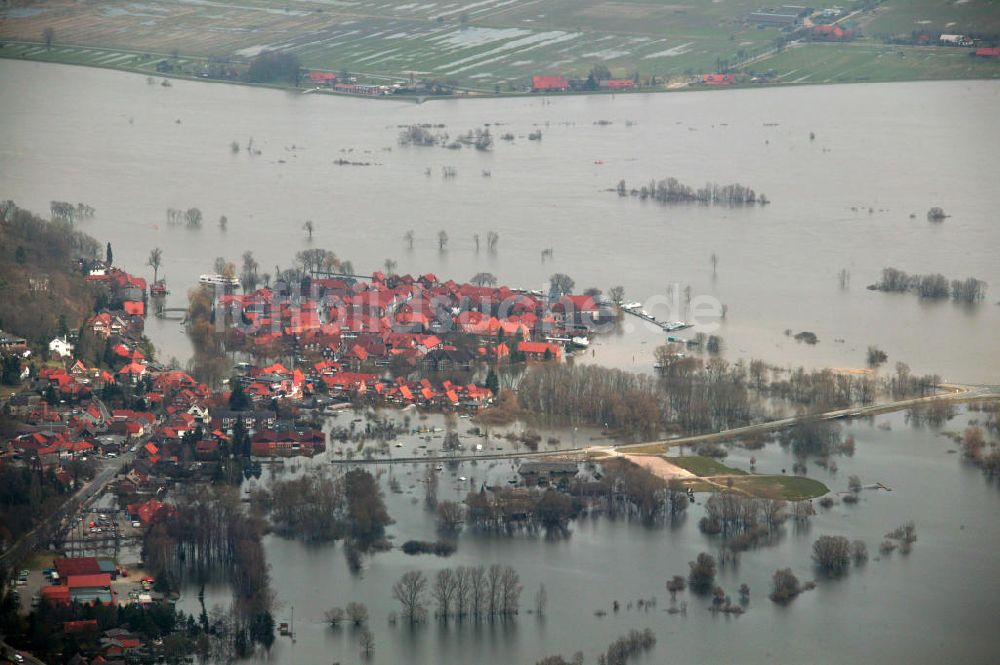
(132, 149)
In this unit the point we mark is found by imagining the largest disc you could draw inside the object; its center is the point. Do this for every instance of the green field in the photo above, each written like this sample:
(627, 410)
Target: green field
(863, 61)
(487, 45)
(704, 466)
(790, 488)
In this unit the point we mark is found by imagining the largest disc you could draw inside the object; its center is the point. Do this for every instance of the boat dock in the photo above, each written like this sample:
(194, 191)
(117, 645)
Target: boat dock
(668, 326)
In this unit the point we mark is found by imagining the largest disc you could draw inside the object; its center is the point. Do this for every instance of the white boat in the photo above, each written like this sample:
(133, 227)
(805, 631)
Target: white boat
(218, 280)
(581, 342)
(632, 305)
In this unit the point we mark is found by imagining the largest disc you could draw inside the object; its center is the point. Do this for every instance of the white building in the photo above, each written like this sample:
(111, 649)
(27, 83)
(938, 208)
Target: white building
(62, 346)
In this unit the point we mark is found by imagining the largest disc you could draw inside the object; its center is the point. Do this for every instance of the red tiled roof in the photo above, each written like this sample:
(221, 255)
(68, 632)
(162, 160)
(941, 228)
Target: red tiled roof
(100, 580)
(549, 83)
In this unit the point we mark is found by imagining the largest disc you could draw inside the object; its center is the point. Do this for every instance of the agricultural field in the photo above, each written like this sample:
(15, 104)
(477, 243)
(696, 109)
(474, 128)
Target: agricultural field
(951, 16)
(487, 45)
(843, 63)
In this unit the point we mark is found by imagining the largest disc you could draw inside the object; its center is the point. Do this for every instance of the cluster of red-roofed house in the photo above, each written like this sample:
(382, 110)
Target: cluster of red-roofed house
(405, 322)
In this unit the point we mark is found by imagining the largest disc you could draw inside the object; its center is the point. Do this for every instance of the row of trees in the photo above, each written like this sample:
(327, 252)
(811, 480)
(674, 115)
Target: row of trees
(619, 652)
(64, 211)
(672, 191)
(934, 286)
(476, 592)
(192, 217)
(508, 510)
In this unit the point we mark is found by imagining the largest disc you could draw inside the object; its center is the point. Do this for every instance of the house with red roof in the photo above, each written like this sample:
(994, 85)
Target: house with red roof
(830, 33)
(540, 350)
(718, 79)
(322, 78)
(541, 83)
(616, 84)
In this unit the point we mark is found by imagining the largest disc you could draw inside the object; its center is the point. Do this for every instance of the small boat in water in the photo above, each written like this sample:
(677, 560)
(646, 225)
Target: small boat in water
(581, 342)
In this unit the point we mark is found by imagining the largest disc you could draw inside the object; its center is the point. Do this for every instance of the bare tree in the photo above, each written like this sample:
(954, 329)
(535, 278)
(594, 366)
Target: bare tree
(784, 586)
(450, 516)
(154, 261)
(334, 616)
(442, 240)
(367, 641)
(408, 237)
(430, 488)
(510, 591)
(714, 260)
(48, 36)
(477, 591)
(484, 279)
(462, 591)
(193, 217)
(409, 591)
(617, 294)
(561, 284)
(492, 238)
(541, 600)
(309, 228)
(390, 267)
(443, 591)
(832, 554)
(357, 613)
(475, 238)
(223, 222)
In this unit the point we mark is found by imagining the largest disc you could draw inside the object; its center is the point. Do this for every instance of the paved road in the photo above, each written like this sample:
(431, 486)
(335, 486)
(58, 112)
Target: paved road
(957, 394)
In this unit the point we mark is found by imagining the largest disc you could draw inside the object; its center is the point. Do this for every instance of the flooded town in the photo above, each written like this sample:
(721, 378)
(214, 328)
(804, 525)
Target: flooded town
(490, 333)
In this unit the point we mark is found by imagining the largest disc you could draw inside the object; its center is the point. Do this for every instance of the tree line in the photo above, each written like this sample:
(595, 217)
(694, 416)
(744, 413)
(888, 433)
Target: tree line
(931, 285)
(478, 593)
(671, 191)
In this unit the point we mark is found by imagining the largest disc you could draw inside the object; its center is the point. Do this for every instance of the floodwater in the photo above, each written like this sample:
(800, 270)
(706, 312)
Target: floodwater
(937, 604)
(133, 149)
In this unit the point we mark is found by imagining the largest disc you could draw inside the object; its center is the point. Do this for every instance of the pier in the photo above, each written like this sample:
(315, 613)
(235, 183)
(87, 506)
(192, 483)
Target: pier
(671, 326)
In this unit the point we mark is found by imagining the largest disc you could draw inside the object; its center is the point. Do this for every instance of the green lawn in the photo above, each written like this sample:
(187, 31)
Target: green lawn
(790, 488)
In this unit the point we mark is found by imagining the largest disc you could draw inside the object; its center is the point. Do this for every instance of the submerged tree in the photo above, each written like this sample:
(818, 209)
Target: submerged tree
(154, 261)
(409, 590)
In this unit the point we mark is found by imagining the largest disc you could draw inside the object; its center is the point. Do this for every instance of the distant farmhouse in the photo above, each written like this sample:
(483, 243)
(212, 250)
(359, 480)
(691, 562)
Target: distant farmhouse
(549, 84)
(786, 16)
